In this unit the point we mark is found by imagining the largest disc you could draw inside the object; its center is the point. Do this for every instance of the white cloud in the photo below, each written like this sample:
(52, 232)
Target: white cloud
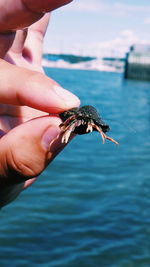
(147, 20)
(116, 47)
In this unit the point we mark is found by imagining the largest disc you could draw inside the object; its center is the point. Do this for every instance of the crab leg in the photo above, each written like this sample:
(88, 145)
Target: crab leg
(66, 136)
(68, 130)
(101, 133)
(65, 123)
(89, 128)
(104, 136)
(110, 139)
(65, 127)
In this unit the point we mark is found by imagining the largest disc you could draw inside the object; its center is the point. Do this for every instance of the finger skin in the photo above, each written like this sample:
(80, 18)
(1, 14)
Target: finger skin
(36, 146)
(8, 19)
(23, 155)
(28, 12)
(35, 37)
(19, 41)
(6, 41)
(44, 6)
(41, 25)
(19, 86)
(31, 50)
(38, 143)
(9, 193)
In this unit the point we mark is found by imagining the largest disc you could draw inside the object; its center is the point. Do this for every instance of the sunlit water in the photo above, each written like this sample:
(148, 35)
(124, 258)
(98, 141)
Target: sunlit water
(91, 207)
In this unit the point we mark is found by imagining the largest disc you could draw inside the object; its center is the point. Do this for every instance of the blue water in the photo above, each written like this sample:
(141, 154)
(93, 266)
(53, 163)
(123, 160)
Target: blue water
(91, 207)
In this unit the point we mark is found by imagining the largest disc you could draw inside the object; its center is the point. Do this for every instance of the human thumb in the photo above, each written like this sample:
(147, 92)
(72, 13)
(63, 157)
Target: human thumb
(28, 148)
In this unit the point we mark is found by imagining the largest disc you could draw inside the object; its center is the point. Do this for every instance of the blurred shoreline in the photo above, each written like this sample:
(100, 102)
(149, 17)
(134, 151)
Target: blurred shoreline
(83, 62)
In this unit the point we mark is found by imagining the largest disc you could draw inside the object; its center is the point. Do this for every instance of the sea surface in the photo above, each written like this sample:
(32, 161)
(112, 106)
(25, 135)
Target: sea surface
(91, 207)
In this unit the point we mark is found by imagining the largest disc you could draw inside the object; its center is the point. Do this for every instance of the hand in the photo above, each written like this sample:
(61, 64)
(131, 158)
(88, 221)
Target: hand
(29, 136)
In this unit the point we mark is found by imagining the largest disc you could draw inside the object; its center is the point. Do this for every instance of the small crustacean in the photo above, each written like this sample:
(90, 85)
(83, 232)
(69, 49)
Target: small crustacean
(81, 121)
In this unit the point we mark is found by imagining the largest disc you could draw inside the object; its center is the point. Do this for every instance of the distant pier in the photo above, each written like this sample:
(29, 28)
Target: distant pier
(137, 63)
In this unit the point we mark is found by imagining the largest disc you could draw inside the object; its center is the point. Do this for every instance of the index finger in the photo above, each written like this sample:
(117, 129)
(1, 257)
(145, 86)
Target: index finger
(20, 86)
(22, 13)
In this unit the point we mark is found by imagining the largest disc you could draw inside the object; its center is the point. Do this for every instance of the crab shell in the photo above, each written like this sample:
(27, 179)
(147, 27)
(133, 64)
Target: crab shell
(86, 114)
(81, 121)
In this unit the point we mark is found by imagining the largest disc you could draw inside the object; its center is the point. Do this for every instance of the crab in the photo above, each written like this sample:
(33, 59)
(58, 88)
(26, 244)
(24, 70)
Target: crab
(83, 120)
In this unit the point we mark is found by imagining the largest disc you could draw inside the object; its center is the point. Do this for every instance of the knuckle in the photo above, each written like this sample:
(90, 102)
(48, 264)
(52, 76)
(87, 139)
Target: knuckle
(21, 169)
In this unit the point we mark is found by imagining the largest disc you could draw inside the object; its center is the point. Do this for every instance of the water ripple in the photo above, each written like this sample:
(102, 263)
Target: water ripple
(91, 206)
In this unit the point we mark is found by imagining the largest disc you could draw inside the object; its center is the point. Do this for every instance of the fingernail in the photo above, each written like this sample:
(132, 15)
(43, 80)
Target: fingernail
(49, 135)
(70, 99)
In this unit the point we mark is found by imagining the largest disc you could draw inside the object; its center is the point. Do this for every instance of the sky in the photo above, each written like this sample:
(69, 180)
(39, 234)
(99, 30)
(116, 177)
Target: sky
(98, 27)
